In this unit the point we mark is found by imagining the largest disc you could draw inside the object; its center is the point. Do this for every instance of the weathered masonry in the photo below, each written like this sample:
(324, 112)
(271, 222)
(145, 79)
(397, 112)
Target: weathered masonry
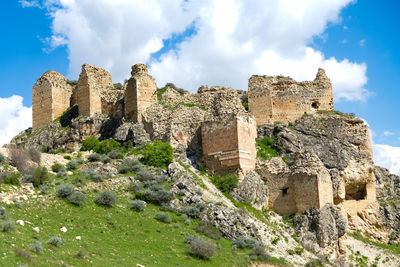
(50, 98)
(307, 184)
(229, 146)
(276, 98)
(141, 92)
(93, 81)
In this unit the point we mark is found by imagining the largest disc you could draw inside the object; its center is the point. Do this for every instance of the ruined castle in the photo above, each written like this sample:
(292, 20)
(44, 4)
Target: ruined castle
(227, 136)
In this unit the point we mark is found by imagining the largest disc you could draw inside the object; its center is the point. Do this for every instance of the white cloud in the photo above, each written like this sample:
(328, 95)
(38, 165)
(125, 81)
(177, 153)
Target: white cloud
(388, 157)
(14, 118)
(362, 42)
(234, 39)
(388, 133)
(31, 3)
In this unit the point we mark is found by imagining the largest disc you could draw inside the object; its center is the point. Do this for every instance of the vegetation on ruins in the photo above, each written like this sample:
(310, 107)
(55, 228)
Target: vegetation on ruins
(265, 148)
(158, 154)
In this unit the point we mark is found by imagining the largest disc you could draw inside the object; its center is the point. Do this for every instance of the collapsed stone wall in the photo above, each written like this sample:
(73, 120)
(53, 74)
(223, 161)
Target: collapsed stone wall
(141, 92)
(50, 98)
(229, 146)
(297, 187)
(275, 98)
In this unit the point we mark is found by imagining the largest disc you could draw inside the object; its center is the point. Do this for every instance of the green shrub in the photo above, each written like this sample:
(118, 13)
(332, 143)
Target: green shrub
(265, 148)
(124, 169)
(12, 178)
(2, 158)
(44, 189)
(258, 252)
(36, 247)
(77, 198)
(106, 198)
(94, 157)
(199, 247)
(57, 167)
(209, 230)
(144, 175)
(314, 263)
(106, 146)
(163, 217)
(55, 241)
(193, 211)
(40, 176)
(225, 183)
(158, 195)
(65, 190)
(67, 157)
(8, 226)
(244, 242)
(92, 175)
(115, 154)
(105, 159)
(137, 205)
(135, 186)
(89, 143)
(74, 164)
(158, 154)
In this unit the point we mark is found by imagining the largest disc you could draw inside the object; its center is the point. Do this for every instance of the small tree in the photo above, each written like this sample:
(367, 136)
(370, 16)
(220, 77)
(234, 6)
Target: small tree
(89, 143)
(158, 154)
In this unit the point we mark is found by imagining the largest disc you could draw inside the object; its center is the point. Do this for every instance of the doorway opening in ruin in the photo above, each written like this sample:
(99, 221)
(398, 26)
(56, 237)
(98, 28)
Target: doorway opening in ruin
(315, 104)
(285, 191)
(357, 194)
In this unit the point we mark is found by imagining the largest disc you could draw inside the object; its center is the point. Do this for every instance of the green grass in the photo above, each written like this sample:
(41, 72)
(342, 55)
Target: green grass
(160, 92)
(265, 148)
(394, 249)
(109, 236)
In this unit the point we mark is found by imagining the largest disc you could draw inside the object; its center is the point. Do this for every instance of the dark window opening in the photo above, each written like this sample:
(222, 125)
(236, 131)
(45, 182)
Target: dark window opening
(358, 193)
(315, 104)
(285, 191)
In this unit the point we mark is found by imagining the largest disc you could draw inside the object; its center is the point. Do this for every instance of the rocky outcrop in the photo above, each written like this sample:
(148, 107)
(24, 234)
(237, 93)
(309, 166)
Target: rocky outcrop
(253, 190)
(321, 230)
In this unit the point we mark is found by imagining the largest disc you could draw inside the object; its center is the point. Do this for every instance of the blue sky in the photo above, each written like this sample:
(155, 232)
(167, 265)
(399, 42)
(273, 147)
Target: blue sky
(212, 42)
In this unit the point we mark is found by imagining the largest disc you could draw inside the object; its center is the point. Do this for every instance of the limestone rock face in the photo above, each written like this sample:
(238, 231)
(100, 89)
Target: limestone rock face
(53, 136)
(253, 190)
(321, 230)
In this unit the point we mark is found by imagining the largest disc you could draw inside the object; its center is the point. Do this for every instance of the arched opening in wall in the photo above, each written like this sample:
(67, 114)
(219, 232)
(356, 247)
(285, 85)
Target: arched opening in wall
(359, 193)
(315, 105)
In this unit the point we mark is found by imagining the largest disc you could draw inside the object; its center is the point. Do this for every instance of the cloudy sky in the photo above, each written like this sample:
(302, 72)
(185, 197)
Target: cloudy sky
(210, 42)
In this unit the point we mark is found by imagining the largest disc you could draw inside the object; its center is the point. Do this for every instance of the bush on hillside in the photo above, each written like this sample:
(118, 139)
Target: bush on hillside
(92, 175)
(3, 213)
(74, 164)
(106, 198)
(163, 217)
(36, 247)
(199, 247)
(158, 195)
(144, 175)
(137, 205)
(55, 241)
(8, 226)
(94, 157)
(225, 183)
(209, 230)
(158, 154)
(12, 178)
(40, 176)
(34, 154)
(2, 158)
(65, 190)
(115, 154)
(89, 143)
(106, 146)
(77, 198)
(57, 167)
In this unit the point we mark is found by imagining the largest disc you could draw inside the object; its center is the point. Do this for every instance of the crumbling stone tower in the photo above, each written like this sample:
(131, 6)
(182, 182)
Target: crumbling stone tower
(230, 145)
(93, 82)
(276, 98)
(141, 92)
(50, 98)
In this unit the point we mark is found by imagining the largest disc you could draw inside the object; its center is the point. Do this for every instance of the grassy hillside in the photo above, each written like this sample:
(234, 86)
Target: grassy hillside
(115, 236)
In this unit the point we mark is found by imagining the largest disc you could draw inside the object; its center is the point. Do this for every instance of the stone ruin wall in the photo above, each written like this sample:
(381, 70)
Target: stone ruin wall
(296, 189)
(274, 98)
(49, 96)
(141, 92)
(229, 146)
(93, 81)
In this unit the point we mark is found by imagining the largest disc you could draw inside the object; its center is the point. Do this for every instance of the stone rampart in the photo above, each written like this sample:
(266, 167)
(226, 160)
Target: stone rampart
(276, 98)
